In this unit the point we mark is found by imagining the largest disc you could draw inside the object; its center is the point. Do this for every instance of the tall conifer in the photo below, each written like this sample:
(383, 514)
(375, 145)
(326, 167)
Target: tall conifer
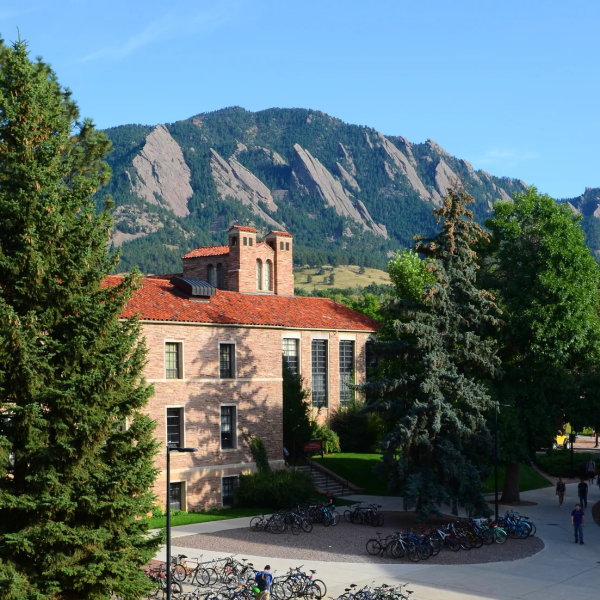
(432, 383)
(76, 453)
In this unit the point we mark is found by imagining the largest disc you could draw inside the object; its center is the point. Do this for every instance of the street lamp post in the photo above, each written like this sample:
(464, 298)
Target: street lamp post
(169, 450)
(496, 405)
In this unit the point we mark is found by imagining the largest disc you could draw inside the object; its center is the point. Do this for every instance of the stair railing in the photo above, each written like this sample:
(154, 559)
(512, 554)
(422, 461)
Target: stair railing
(347, 487)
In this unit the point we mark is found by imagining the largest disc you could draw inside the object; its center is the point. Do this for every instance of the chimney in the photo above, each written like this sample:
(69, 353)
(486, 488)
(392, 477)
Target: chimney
(281, 243)
(242, 259)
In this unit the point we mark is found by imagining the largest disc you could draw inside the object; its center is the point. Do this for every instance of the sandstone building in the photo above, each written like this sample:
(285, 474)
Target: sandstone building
(216, 336)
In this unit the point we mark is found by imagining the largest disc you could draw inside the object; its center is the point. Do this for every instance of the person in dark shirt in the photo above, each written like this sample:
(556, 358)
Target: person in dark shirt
(560, 491)
(582, 492)
(578, 522)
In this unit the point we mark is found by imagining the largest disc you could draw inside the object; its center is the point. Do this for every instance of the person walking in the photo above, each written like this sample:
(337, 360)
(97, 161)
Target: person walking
(578, 522)
(286, 456)
(263, 580)
(582, 492)
(560, 491)
(591, 471)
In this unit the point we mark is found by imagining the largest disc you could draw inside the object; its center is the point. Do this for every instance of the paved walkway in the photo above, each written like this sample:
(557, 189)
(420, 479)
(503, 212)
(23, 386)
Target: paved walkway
(561, 571)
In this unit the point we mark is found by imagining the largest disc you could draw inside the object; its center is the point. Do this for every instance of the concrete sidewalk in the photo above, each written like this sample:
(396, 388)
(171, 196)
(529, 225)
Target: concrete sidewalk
(562, 570)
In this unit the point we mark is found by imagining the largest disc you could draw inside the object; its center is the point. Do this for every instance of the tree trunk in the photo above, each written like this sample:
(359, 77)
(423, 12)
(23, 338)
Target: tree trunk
(510, 493)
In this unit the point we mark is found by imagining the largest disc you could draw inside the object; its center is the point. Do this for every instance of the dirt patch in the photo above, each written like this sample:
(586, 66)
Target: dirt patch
(346, 543)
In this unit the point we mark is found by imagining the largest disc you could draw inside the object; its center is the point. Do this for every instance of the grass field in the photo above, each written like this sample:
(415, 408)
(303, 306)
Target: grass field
(357, 469)
(529, 479)
(345, 276)
(179, 517)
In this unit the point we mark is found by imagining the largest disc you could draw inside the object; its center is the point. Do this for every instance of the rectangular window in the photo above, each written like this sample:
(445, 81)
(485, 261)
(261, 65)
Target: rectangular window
(227, 484)
(176, 494)
(319, 373)
(173, 360)
(227, 361)
(287, 245)
(290, 354)
(245, 241)
(250, 240)
(346, 371)
(228, 427)
(175, 427)
(281, 245)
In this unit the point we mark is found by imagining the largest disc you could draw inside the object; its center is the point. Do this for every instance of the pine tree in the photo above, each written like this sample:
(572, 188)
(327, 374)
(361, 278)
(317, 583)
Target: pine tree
(432, 382)
(76, 453)
(296, 412)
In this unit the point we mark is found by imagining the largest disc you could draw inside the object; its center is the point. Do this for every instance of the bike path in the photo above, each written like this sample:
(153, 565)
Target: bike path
(561, 570)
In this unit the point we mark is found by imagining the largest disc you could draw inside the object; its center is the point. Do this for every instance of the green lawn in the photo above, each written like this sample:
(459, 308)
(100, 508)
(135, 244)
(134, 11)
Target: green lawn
(529, 479)
(357, 469)
(179, 517)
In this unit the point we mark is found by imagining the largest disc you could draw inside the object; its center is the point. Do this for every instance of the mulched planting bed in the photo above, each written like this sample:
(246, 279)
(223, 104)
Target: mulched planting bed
(346, 543)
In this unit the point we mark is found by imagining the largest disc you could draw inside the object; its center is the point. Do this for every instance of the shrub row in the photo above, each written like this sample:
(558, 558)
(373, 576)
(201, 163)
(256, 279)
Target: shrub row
(278, 489)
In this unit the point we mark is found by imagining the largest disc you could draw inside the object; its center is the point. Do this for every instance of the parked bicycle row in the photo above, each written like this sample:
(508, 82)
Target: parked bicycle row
(302, 518)
(361, 514)
(382, 592)
(465, 534)
(231, 579)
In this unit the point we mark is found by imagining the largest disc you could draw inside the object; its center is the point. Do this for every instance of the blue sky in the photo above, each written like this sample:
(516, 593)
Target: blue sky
(511, 86)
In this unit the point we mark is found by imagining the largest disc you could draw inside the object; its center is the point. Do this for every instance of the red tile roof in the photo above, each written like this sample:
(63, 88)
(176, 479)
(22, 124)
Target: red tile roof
(208, 251)
(281, 233)
(242, 228)
(156, 301)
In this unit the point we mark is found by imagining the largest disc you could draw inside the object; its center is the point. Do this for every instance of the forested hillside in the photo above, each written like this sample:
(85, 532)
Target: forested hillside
(349, 194)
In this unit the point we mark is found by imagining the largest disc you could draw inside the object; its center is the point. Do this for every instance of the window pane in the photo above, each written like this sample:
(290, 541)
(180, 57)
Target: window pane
(227, 490)
(220, 276)
(267, 282)
(346, 371)
(172, 360)
(174, 426)
(228, 427)
(175, 496)
(212, 275)
(319, 373)
(290, 354)
(258, 275)
(227, 361)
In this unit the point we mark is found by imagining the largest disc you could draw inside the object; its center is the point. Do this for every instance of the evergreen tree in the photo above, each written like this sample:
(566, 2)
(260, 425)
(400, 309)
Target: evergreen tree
(76, 453)
(296, 412)
(431, 383)
(547, 286)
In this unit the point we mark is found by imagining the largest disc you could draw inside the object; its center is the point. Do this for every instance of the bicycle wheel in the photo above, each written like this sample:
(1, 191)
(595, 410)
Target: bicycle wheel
(415, 554)
(465, 543)
(500, 536)
(453, 544)
(306, 526)
(488, 537)
(316, 589)
(398, 549)
(178, 573)
(373, 547)
(436, 545)
(426, 551)
(257, 524)
(533, 528)
(348, 515)
(356, 518)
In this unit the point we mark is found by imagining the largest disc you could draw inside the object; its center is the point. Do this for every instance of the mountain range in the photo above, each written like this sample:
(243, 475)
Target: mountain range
(348, 193)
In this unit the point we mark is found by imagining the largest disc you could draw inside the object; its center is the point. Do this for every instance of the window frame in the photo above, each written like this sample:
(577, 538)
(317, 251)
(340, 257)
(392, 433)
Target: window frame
(259, 275)
(298, 346)
(181, 408)
(237, 478)
(183, 487)
(267, 272)
(342, 386)
(325, 403)
(234, 433)
(180, 366)
(234, 361)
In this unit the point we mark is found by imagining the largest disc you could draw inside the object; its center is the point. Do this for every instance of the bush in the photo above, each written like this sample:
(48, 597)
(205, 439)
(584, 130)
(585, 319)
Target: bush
(259, 453)
(279, 489)
(331, 441)
(358, 431)
(558, 464)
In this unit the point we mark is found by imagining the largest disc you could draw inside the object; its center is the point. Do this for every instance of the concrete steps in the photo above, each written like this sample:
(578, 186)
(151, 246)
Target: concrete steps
(325, 483)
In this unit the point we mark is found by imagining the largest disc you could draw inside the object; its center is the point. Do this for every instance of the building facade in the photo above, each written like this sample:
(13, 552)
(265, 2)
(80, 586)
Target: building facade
(216, 337)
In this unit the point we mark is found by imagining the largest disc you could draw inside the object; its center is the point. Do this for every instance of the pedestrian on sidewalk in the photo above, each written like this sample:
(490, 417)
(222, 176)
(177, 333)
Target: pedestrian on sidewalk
(591, 471)
(263, 580)
(560, 491)
(578, 522)
(582, 492)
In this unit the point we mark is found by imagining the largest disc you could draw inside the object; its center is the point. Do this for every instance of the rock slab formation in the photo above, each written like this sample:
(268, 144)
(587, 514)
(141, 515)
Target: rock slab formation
(163, 177)
(233, 180)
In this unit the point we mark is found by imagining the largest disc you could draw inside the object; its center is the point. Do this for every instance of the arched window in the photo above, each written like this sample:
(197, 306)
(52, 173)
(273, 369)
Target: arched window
(220, 276)
(211, 275)
(267, 276)
(259, 279)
